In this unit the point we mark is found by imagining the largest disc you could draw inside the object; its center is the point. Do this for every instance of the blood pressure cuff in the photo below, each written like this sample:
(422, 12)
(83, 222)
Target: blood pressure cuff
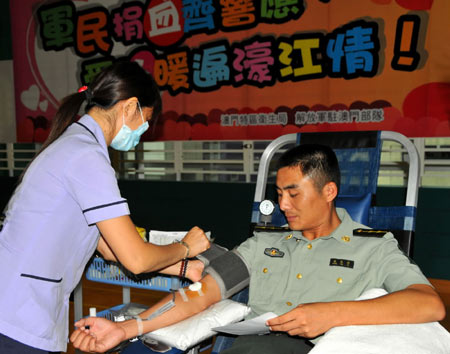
(211, 253)
(230, 272)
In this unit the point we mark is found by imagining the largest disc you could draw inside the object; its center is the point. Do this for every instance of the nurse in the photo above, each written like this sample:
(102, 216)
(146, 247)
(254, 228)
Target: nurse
(68, 204)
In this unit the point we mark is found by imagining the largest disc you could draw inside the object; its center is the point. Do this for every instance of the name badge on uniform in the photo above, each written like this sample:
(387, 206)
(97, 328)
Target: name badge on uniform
(342, 263)
(273, 252)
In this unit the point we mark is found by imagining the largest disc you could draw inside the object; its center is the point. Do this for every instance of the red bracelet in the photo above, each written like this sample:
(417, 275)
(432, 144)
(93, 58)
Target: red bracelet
(183, 268)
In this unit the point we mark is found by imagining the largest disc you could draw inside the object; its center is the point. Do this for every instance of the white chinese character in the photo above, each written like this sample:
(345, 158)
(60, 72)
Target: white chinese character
(163, 19)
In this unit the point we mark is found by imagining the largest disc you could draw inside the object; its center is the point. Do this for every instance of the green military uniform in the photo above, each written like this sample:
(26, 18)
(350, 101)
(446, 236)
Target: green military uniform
(287, 269)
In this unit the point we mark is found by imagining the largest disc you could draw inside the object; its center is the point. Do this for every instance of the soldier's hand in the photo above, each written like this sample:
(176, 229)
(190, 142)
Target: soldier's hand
(306, 320)
(96, 335)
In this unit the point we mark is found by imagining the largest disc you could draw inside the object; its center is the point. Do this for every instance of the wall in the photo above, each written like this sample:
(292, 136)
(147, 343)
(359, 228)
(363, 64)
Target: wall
(432, 231)
(222, 208)
(7, 116)
(225, 210)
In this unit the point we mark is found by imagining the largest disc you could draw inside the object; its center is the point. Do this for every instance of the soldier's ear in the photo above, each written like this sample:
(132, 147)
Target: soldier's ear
(330, 191)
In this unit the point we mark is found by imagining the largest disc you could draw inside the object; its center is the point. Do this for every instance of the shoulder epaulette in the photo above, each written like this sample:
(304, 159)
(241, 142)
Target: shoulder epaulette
(369, 232)
(266, 228)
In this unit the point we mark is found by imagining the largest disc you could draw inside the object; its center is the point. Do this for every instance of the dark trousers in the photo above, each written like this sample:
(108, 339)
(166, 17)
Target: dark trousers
(11, 346)
(273, 343)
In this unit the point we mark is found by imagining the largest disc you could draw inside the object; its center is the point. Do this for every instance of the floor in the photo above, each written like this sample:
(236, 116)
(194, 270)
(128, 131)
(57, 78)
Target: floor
(103, 296)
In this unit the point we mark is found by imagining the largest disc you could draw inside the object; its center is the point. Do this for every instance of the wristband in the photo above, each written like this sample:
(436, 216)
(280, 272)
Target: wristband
(139, 325)
(188, 249)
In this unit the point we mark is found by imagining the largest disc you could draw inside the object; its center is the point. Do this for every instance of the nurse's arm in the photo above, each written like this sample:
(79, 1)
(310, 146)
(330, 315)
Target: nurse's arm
(138, 256)
(105, 251)
(194, 268)
(103, 334)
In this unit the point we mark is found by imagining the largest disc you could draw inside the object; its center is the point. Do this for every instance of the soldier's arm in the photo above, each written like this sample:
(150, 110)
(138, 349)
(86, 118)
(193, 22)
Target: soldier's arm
(227, 274)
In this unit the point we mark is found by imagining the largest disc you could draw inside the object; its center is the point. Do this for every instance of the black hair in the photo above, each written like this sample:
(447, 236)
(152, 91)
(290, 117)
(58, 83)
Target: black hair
(319, 162)
(119, 81)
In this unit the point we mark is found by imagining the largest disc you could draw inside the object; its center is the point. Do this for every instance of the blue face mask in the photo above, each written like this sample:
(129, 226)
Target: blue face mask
(126, 139)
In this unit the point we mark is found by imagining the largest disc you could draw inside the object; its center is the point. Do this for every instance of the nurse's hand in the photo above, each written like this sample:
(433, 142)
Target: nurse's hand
(99, 336)
(194, 270)
(197, 241)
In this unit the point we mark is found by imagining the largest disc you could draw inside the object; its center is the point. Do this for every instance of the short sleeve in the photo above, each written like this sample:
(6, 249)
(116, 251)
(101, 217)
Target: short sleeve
(247, 250)
(395, 270)
(91, 181)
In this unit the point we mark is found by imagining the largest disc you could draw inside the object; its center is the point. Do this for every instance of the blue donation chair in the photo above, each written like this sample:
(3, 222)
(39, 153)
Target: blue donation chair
(358, 154)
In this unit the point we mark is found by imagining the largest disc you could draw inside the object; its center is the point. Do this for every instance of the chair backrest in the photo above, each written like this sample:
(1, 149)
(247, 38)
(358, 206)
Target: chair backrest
(358, 154)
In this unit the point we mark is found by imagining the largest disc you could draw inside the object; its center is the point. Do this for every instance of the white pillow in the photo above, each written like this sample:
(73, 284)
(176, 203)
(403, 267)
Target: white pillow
(193, 330)
(421, 338)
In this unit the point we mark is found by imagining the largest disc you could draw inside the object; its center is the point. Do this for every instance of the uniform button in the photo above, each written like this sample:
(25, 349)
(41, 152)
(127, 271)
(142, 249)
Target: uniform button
(298, 240)
(345, 238)
(299, 276)
(288, 237)
(339, 280)
(289, 303)
(309, 246)
(265, 270)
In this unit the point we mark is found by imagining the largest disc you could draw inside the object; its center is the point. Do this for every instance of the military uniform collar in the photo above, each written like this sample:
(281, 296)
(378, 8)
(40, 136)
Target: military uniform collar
(346, 224)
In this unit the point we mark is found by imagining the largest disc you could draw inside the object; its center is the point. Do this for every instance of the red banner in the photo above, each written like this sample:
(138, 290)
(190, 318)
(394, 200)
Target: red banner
(244, 69)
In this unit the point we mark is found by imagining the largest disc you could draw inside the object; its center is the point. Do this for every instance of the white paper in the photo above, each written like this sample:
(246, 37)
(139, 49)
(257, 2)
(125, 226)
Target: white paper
(256, 325)
(167, 237)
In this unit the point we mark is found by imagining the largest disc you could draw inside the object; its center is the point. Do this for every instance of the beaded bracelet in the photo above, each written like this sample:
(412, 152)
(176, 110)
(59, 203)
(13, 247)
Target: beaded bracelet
(183, 268)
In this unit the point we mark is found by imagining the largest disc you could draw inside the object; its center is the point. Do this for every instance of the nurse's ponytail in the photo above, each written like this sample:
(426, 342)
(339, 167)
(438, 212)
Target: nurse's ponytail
(66, 115)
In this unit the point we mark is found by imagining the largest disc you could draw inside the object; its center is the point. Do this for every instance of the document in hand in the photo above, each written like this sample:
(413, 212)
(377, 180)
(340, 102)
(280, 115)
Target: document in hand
(167, 237)
(256, 325)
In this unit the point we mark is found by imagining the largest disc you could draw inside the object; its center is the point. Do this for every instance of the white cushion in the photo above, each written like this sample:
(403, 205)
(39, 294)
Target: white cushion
(422, 338)
(191, 331)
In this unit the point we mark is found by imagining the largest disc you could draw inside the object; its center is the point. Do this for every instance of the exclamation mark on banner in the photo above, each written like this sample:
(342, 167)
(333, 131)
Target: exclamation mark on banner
(406, 57)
